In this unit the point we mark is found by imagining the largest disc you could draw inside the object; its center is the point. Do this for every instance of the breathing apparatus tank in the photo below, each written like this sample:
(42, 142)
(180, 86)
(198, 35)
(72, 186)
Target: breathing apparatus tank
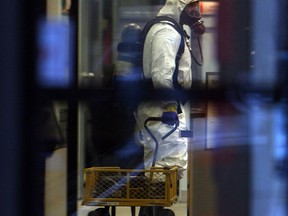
(129, 52)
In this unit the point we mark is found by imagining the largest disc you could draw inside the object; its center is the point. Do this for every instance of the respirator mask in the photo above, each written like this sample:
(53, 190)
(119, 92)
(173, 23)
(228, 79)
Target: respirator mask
(191, 16)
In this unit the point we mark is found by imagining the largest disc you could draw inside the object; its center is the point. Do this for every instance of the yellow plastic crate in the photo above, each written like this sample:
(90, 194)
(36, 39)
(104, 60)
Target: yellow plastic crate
(113, 186)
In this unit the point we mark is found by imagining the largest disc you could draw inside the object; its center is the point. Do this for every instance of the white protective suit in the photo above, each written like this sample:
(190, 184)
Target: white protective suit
(160, 49)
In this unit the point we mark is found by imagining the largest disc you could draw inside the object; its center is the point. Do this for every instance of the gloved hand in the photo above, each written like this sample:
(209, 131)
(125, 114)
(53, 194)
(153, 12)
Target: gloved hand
(170, 118)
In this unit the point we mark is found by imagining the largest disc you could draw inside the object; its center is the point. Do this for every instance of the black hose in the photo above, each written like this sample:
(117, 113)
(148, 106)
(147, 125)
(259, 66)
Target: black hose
(201, 53)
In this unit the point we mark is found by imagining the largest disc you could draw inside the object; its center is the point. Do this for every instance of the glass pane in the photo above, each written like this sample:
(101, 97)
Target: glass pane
(228, 123)
(55, 126)
(91, 42)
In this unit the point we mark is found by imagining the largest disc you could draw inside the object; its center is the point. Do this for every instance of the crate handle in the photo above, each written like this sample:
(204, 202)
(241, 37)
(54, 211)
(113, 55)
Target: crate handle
(154, 138)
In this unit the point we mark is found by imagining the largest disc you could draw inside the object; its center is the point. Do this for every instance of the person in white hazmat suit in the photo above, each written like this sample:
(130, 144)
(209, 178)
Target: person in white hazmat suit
(160, 49)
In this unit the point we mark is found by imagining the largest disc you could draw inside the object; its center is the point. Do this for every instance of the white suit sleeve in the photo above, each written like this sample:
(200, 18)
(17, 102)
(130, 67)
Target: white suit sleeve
(165, 46)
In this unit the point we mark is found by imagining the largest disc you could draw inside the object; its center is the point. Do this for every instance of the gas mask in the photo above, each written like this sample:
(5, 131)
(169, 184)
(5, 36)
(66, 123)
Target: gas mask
(192, 18)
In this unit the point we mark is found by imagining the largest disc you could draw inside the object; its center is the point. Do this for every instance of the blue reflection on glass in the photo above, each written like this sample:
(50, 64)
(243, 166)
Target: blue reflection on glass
(54, 54)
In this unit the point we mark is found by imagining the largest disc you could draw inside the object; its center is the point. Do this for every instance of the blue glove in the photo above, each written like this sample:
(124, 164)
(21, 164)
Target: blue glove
(170, 118)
